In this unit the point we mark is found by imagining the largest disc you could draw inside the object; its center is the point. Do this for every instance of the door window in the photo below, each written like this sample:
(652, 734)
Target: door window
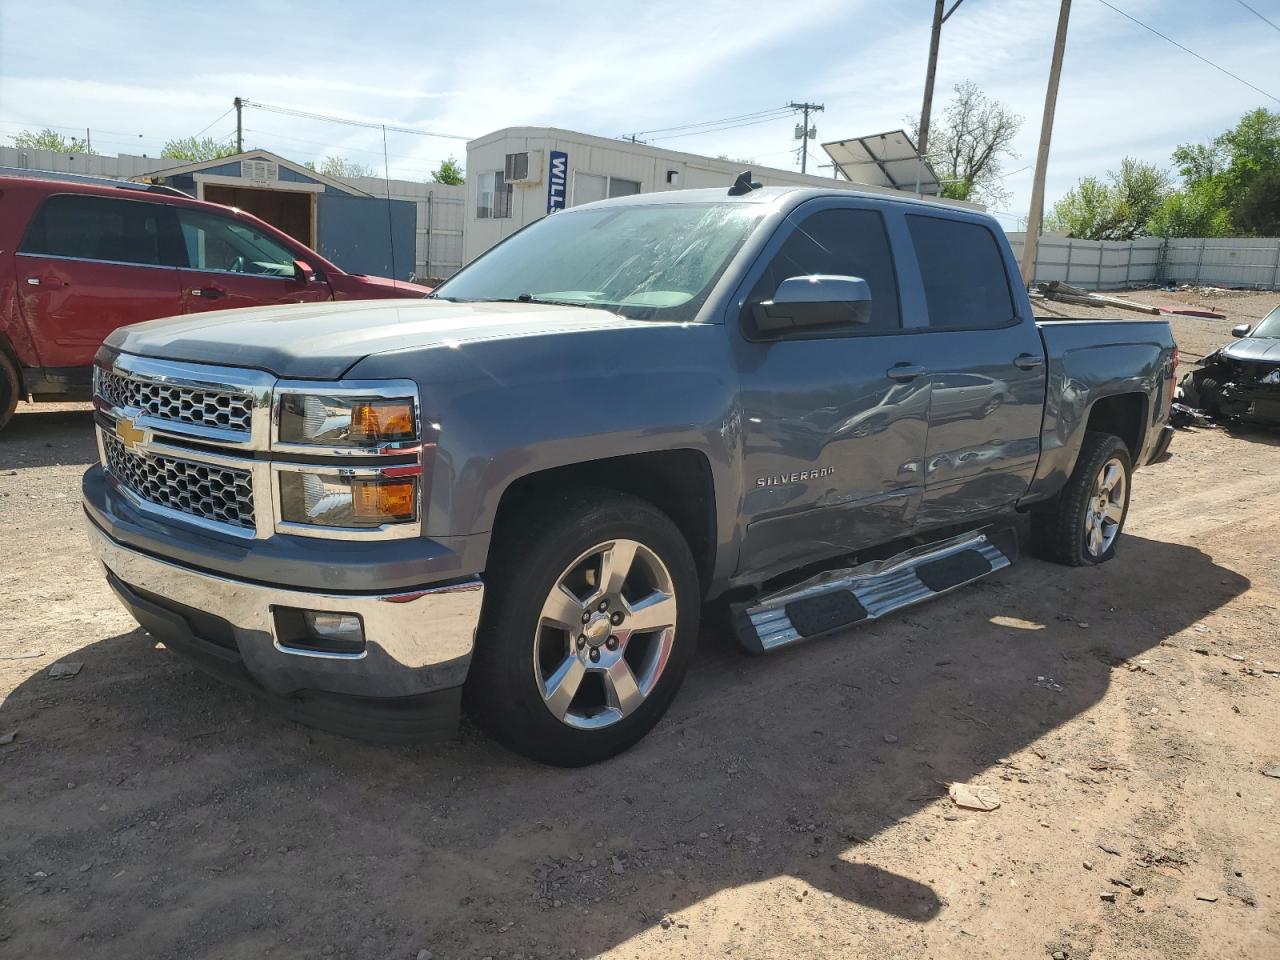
(840, 242)
(219, 243)
(100, 228)
(966, 286)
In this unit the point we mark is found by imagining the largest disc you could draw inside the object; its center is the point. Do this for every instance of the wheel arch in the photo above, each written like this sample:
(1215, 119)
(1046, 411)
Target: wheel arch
(1123, 415)
(678, 482)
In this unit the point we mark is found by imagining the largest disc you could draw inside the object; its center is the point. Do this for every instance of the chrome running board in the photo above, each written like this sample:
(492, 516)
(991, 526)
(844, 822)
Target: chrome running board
(836, 599)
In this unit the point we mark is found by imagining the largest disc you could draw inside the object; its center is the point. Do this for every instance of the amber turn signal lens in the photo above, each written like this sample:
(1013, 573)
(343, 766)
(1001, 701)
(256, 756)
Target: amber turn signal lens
(384, 499)
(382, 421)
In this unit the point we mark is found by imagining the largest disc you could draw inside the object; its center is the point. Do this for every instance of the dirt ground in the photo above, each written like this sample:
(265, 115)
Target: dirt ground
(793, 805)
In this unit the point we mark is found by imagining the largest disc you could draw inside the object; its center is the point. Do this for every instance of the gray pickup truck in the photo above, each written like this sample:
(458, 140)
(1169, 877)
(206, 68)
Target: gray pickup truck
(810, 407)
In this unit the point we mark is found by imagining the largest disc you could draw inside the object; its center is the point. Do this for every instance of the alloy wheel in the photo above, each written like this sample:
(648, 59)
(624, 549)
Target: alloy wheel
(1104, 510)
(604, 634)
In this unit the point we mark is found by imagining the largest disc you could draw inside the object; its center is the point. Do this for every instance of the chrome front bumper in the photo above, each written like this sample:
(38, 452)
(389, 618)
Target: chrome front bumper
(416, 642)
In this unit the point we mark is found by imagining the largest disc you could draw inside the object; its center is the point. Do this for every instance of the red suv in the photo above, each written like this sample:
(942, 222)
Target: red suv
(80, 257)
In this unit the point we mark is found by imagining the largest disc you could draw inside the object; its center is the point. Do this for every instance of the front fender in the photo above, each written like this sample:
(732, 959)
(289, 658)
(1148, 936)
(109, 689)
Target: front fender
(514, 407)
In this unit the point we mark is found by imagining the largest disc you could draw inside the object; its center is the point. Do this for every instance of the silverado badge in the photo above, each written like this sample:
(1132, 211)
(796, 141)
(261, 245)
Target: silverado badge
(799, 477)
(129, 435)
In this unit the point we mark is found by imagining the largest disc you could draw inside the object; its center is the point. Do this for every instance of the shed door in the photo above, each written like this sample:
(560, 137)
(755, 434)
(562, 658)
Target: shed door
(368, 234)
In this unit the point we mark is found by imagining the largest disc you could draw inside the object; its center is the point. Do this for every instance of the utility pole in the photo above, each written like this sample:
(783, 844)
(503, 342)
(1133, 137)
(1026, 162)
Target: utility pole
(88, 141)
(1042, 158)
(926, 108)
(804, 134)
(239, 125)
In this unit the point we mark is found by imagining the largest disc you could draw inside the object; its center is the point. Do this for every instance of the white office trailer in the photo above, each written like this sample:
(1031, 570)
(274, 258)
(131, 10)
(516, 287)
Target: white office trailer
(520, 174)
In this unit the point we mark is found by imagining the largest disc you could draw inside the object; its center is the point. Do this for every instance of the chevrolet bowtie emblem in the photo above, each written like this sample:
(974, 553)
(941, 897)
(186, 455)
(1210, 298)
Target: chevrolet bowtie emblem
(130, 435)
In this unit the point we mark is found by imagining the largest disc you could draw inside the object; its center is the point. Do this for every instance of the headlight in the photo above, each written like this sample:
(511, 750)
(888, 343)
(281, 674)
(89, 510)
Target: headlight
(348, 499)
(346, 421)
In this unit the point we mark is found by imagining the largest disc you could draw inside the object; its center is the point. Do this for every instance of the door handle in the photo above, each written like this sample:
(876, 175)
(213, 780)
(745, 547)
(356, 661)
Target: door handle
(34, 281)
(47, 282)
(904, 372)
(1028, 361)
(209, 293)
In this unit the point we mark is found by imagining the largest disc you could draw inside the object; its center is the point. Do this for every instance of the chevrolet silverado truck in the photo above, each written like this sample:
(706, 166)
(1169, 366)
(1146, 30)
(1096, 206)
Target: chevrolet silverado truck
(806, 407)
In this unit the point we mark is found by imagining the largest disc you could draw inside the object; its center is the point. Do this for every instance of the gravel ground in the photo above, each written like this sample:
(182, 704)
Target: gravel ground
(788, 806)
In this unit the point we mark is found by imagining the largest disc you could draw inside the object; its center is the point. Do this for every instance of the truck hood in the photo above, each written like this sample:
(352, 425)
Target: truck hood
(322, 341)
(1253, 350)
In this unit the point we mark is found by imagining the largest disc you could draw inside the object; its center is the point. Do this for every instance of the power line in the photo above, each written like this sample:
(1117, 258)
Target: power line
(735, 126)
(761, 115)
(1271, 23)
(215, 123)
(307, 115)
(1190, 51)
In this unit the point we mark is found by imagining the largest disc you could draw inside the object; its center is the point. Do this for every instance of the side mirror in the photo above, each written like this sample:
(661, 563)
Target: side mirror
(302, 272)
(1241, 330)
(814, 301)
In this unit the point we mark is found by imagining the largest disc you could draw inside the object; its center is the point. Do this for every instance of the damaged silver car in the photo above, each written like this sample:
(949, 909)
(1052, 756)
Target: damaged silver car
(1241, 380)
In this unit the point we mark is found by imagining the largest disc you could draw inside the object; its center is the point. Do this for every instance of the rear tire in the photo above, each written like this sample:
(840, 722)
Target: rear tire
(10, 388)
(589, 625)
(1082, 525)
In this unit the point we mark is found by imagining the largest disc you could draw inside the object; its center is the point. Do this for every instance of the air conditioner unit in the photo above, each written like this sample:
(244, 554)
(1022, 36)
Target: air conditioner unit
(524, 168)
(260, 171)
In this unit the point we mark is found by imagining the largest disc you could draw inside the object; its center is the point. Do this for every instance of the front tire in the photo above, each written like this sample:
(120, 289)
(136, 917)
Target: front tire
(589, 626)
(1082, 524)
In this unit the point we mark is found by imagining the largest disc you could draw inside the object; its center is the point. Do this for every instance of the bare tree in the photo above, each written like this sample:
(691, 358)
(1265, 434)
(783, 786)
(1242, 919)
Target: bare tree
(968, 144)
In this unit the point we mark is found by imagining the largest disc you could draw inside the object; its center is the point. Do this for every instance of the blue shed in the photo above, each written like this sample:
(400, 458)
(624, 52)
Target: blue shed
(359, 232)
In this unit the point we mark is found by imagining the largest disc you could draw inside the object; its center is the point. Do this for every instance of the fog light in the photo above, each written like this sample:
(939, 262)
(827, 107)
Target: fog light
(345, 627)
(319, 631)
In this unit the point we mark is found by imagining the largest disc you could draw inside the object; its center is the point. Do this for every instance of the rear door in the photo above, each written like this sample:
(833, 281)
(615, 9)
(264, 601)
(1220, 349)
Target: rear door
(230, 263)
(88, 264)
(987, 367)
(834, 418)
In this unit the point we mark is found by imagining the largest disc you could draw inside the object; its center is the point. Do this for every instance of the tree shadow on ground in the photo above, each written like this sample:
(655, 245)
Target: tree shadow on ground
(213, 828)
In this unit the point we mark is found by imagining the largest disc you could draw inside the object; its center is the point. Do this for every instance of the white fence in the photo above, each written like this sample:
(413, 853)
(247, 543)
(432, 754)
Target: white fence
(1111, 264)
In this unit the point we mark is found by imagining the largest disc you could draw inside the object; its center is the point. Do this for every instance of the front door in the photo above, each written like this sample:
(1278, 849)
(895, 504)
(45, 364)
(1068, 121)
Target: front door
(834, 419)
(987, 366)
(232, 264)
(89, 264)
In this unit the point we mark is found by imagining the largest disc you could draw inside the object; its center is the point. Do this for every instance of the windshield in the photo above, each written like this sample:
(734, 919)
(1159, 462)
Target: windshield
(1269, 326)
(656, 261)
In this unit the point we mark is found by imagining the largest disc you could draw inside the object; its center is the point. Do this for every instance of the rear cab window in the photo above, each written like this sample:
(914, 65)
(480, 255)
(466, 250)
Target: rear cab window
(966, 285)
(85, 227)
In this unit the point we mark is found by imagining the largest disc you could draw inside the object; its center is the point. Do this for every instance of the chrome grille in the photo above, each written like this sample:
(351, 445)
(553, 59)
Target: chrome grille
(219, 494)
(221, 410)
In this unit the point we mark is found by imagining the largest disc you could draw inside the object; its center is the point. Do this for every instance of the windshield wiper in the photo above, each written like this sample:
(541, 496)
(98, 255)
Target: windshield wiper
(523, 298)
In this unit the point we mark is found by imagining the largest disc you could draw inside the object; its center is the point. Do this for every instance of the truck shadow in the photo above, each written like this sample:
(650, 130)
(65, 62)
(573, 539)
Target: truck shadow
(795, 765)
(39, 437)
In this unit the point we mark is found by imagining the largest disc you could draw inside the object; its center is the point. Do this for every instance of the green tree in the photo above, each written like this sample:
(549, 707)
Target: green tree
(1197, 211)
(47, 139)
(1258, 211)
(335, 166)
(450, 172)
(1238, 169)
(968, 143)
(1117, 210)
(196, 149)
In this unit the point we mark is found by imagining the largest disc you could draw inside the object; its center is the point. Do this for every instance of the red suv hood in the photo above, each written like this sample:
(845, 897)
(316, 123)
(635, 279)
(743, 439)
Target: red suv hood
(357, 286)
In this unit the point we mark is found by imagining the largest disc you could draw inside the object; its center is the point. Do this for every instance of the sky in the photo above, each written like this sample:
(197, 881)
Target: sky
(139, 74)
